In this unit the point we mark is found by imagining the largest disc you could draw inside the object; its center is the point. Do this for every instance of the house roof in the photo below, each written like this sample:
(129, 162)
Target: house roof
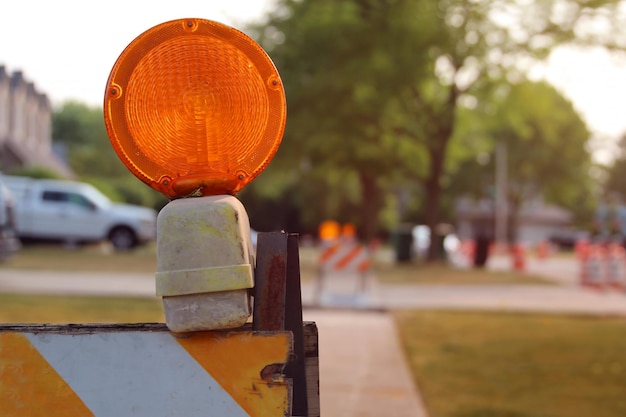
(531, 212)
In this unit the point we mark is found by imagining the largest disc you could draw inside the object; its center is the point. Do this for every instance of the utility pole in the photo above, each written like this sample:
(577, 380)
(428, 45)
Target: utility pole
(501, 205)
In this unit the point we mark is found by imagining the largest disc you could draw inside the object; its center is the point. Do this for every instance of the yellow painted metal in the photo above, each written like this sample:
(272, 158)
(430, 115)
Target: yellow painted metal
(245, 365)
(248, 365)
(29, 386)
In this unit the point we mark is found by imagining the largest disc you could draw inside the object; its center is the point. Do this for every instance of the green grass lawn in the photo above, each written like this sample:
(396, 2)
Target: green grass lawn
(516, 365)
(84, 258)
(19, 308)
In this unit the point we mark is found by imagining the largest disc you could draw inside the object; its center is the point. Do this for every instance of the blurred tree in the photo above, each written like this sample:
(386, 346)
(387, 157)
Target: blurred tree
(616, 172)
(81, 130)
(35, 172)
(545, 141)
(483, 41)
(376, 87)
(338, 77)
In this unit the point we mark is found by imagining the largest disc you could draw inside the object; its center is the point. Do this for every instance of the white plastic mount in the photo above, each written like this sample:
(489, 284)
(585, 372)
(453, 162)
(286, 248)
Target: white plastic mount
(205, 263)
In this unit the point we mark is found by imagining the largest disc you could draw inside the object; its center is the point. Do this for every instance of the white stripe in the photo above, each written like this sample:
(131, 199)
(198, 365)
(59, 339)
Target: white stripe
(135, 373)
(330, 265)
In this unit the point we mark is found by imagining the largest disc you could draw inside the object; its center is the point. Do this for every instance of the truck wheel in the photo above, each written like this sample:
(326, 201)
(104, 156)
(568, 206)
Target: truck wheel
(122, 238)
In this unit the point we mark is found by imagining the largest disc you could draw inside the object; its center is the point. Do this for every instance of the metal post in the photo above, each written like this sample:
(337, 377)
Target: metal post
(278, 304)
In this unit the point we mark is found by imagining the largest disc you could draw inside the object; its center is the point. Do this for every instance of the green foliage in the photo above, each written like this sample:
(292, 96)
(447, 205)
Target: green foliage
(133, 191)
(616, 173)
(81, 128)
(35, 172)
(28, 308)
(377, 90)
(77, 124)
(339, 77)
(546, 142)
(128, 190)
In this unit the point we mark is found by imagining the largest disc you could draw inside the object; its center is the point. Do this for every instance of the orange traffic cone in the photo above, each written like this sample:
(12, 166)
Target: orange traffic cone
(543, 250)
(519, 258)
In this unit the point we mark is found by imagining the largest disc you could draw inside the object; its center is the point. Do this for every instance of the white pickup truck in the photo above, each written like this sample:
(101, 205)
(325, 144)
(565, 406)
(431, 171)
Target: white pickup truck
(77, 212)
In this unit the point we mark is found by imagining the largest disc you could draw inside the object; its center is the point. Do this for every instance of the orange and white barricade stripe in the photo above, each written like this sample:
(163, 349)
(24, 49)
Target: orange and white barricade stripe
(616, 263)
(348, 257)
(344, 258)
(123, 370)
(582, 248)
(592, 258)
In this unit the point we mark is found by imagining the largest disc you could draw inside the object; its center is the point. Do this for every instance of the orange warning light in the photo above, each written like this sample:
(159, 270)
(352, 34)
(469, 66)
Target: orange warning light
(194, 107)
(329, 230)
(348, 231)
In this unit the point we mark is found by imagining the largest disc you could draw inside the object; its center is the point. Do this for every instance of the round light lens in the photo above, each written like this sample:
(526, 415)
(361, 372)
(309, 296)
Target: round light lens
(194, 107)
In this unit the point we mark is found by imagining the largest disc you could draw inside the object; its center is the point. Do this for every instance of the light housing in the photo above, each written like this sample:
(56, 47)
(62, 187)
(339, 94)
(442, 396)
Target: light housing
(194, 107)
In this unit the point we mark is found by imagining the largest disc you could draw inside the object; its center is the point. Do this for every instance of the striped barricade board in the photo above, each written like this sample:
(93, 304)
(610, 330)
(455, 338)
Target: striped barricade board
(142, 370)
(345, 257)
(344, 275)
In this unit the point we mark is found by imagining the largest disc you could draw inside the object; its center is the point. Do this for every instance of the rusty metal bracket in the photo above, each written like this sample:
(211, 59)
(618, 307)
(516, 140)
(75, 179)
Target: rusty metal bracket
(278, 303)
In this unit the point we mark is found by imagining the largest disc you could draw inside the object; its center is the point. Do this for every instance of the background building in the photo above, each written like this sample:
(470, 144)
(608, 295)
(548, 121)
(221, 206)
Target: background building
(26, 126)
(537, 222)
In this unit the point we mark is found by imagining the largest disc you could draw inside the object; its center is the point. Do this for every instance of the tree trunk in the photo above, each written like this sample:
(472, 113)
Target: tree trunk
(437, 148)
(433, 203)
(370, 197)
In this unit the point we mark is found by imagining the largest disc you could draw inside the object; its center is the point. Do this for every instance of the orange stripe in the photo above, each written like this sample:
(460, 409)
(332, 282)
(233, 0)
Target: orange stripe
(29, 386)
(343, 262)
(236, 362)
(364, 266)
(329, 252)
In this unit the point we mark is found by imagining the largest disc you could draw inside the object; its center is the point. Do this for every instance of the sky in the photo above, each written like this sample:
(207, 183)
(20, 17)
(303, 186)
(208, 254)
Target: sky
(595, 82)
(68, 47)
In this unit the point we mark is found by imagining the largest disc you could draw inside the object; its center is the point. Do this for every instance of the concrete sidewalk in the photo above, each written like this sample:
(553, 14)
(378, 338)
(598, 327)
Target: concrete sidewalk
(363, 371)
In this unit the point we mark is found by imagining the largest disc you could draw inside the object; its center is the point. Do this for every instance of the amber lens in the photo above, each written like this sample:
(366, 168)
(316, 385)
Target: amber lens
(194, 107)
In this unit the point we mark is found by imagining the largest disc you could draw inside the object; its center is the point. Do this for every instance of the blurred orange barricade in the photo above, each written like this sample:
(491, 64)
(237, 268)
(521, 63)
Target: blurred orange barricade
(519, 257)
